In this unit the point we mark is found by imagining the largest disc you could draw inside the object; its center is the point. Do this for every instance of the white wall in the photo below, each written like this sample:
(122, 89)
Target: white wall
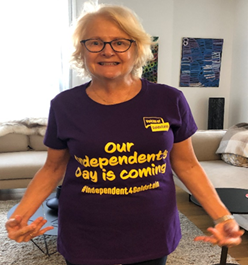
(238, 111)
(204, 19)
(173, 19)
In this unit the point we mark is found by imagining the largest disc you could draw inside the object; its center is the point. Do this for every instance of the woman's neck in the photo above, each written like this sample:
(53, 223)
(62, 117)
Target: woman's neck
(113, 92)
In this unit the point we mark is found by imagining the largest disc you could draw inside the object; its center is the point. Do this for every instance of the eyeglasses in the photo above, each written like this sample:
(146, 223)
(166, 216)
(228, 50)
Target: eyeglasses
(96, 45)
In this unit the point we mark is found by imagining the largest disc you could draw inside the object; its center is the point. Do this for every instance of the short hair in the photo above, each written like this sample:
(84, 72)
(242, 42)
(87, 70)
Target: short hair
(128, 21)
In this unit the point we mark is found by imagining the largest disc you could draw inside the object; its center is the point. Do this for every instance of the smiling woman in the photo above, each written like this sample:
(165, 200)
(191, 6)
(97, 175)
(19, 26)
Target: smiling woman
(33, 56)
(111, 46)
(118, 135)
(128, 27)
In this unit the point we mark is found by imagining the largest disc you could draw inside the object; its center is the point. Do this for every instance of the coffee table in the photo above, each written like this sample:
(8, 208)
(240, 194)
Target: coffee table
(236, 201)
(52, 220)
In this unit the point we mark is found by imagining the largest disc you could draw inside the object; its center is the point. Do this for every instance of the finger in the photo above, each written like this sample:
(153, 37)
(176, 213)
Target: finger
(207, 239)
(233, 229)
(13, 222)
(230, 241)
(35, 233)
(241, 232)
(235, 233)
(44, 230)
(19, 235)
(38, 220)
(215, 233)
(39, 231)
(39, 223)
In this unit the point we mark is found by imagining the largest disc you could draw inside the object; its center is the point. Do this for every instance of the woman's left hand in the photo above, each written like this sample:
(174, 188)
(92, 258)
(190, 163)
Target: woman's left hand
(223, 234)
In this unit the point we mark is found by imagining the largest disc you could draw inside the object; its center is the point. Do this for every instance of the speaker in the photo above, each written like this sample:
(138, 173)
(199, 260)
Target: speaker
(216, 113)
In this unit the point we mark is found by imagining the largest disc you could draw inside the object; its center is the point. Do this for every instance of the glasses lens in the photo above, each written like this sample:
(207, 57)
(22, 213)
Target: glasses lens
(94, 45)
(118, 45)
(121, 45)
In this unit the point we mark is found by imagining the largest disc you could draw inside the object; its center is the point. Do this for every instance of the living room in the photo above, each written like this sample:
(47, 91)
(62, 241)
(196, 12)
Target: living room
(171, 20)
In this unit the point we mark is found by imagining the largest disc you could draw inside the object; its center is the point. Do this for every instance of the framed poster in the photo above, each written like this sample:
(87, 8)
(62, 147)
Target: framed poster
(200, 62)
(150, 71)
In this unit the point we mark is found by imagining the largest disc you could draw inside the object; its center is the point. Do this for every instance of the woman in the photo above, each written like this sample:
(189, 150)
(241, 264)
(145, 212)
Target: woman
(115, 140)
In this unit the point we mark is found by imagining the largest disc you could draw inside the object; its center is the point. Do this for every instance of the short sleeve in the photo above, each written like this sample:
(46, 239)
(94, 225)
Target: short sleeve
(186, 126)
(51, 138)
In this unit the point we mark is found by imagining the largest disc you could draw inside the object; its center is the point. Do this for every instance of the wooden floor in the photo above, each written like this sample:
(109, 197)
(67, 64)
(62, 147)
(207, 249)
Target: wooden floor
(194, 213)
(199, 217)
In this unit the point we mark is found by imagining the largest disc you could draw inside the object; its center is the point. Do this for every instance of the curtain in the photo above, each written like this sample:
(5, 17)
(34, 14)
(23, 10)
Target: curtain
(34, 56)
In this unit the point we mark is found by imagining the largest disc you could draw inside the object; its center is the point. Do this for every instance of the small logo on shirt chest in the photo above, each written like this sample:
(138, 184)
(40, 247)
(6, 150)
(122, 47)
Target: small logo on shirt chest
(156, 124)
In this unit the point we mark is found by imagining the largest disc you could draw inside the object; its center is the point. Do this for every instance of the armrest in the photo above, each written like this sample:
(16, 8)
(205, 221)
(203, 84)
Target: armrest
(205, 144)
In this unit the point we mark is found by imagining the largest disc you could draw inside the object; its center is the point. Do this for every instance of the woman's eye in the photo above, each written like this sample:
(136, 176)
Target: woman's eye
(119, 43)
(94, 43)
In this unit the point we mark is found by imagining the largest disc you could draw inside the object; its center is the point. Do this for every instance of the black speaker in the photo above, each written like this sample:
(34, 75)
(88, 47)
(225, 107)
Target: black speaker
(216, 113)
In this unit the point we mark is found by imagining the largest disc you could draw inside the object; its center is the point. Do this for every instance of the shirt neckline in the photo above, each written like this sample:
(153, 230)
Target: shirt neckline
(136, 97)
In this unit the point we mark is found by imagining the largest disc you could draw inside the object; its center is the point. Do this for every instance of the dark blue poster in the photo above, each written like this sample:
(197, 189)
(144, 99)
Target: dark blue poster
(200, 62)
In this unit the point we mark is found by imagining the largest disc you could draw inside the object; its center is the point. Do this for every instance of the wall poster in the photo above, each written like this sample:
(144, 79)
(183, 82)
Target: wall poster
(200, 62)
(150, 71)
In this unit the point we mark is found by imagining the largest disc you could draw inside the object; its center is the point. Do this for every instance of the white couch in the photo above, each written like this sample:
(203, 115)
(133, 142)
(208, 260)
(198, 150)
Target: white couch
(21, 156)
(221, 174)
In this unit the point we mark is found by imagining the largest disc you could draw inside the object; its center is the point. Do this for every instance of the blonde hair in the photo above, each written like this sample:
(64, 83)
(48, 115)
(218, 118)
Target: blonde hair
(127, 21)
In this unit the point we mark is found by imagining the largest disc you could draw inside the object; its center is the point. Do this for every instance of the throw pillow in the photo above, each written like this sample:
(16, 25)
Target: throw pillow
(234, 145)
(235, 160)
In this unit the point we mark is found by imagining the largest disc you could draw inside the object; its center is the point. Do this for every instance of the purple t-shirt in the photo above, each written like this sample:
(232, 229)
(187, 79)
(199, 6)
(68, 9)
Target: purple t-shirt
(118, 202)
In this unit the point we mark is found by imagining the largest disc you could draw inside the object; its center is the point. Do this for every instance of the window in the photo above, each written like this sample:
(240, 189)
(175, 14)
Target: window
(34, 55)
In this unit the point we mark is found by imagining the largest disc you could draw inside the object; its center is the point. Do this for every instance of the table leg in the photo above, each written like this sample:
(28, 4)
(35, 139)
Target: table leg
(46, 252)
(223, 257)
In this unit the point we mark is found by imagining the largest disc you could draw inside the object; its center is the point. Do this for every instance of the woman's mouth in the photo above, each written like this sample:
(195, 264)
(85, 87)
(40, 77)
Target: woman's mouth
(108, 63)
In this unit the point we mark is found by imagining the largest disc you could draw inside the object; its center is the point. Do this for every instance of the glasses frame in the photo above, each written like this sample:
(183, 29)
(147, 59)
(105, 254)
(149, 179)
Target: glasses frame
(108, 42)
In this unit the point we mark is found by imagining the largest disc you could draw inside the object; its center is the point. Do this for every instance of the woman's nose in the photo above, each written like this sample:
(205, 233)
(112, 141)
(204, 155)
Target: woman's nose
(108, 49)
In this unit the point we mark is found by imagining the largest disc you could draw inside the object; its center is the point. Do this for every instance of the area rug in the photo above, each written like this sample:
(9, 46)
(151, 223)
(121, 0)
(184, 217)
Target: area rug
(188, 251)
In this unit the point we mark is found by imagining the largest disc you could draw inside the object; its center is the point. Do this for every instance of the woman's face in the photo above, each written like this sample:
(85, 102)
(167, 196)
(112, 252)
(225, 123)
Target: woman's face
(108, 64)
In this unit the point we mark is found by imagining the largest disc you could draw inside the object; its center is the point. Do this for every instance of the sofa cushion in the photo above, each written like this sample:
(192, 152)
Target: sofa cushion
(222, 175)
(36, 143)
(205, 144)
(18, 165)
(14, 142)
(235, 141)
(235, 160)
(234, 145)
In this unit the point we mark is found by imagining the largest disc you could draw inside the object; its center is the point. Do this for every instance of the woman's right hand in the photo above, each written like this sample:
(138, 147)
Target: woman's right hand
(22, 232)
(41, 186)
